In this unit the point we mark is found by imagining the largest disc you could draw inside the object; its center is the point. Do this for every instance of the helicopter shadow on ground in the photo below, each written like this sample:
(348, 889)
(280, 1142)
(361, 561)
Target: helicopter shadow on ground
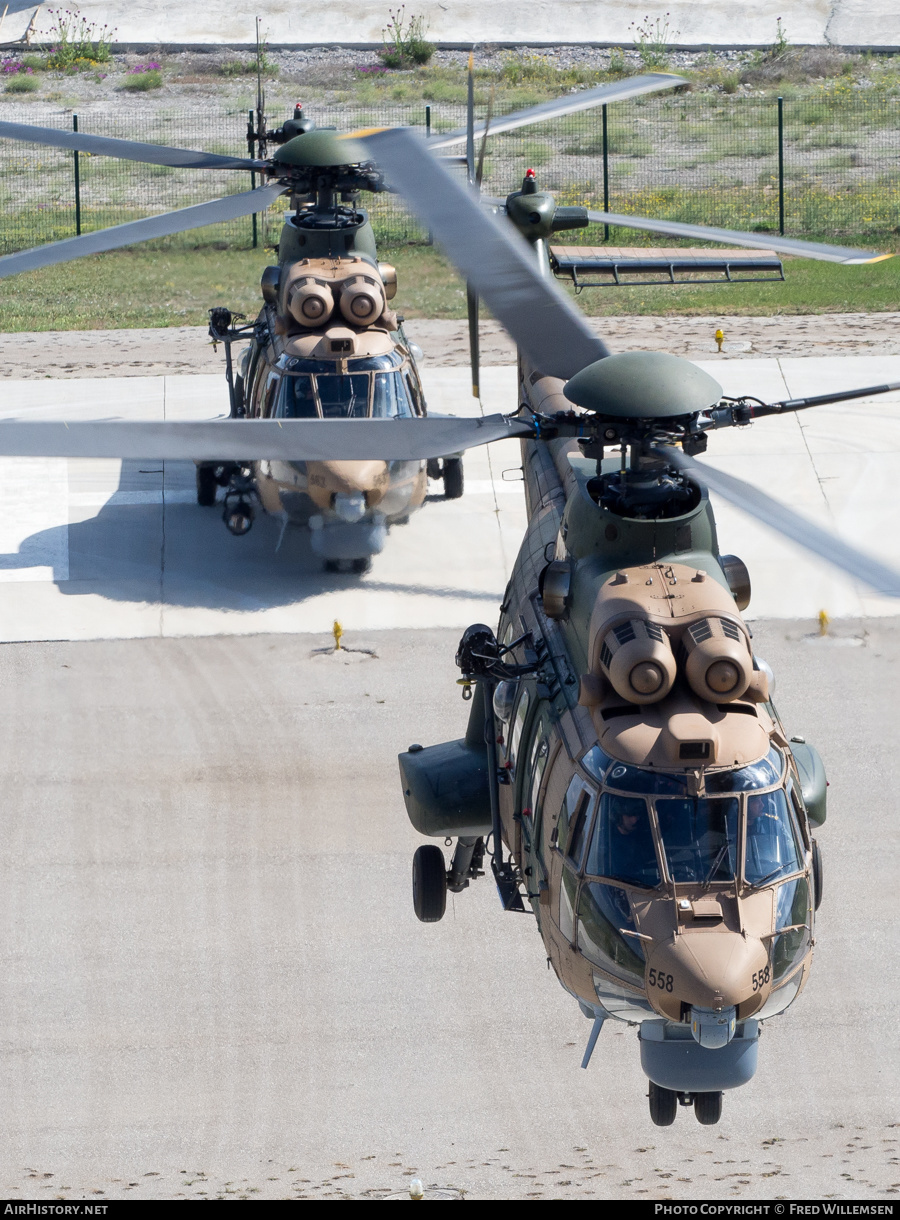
(174, 551)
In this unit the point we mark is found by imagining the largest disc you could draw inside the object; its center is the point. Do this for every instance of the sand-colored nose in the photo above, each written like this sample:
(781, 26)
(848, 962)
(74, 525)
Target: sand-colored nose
(706, 968)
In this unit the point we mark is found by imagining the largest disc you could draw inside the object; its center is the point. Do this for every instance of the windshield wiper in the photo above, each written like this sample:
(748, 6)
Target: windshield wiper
(757, 885)
(715, 864)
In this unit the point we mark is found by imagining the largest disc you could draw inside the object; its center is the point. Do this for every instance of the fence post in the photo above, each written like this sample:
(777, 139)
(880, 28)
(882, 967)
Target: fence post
(252, 183)
(429, 239)
(77, 182)
(781, 166)
(605, 172)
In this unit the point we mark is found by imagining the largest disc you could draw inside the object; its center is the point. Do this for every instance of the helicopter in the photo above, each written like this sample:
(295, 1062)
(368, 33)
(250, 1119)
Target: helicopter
(620, 695)
(624, 758)
(326, 344)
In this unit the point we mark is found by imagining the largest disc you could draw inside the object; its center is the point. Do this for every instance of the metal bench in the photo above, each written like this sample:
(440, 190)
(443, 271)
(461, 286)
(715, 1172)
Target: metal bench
(608, 266)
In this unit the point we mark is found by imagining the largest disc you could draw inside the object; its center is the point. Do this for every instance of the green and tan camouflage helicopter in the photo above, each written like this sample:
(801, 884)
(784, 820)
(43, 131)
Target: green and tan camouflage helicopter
(624, 759)
(326, 344)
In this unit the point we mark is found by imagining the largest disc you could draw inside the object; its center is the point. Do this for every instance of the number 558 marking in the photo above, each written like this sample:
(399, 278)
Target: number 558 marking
(665, 982)
(761, 977)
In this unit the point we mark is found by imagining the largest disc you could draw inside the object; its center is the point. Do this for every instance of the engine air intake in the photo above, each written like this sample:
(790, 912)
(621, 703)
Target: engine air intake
(718, 664)
(637, 658)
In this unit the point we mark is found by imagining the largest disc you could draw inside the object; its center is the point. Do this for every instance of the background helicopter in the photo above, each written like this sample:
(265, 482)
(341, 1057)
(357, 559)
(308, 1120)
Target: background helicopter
(325, 344)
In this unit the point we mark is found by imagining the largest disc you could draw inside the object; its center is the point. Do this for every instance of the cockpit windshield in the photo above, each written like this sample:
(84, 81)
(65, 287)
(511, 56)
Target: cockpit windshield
(621, 845)
(372, 387)
(772, 849)
(700, 837)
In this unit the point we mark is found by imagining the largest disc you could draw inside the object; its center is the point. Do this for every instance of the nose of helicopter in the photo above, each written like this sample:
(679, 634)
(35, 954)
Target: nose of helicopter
(329, 479)
(709, 972)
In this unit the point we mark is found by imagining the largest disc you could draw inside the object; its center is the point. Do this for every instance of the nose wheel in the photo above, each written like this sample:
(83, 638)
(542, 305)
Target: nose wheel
(358, 567)
(664, 1105)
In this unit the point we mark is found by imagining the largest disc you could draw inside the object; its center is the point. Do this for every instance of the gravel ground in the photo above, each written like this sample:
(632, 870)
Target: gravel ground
(186, 349)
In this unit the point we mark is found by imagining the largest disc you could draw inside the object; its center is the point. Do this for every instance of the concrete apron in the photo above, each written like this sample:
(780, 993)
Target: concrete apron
(691, 23)
(115, 550)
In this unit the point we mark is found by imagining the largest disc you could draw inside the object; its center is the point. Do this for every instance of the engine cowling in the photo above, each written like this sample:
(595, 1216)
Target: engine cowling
(718, 662)
(310, 302)
(637, 658)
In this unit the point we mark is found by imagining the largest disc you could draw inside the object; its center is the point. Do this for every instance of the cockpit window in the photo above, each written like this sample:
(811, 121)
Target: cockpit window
(595, 762)
(297, 399)
(362, 364)
(604, 913)
(622, 842)
(772, 849)
(761, 774)
(633, 779)
(699, 837)
(390, 400)
(344, 396)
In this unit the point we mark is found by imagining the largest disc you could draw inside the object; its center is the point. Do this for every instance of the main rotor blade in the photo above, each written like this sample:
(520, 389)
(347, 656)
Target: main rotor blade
(128, 150)
(472, 312)
(228, 208)
(734, 237)
(499, 264)
(783, 519)
(243, 440)
(633, 86)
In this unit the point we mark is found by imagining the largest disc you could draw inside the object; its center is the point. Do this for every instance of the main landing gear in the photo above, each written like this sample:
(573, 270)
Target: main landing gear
(450, 470)
(664, 1105)
(432, 879)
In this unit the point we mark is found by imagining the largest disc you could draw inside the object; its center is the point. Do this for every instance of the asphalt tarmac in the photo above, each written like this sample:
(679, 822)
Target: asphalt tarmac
(214, 983)
(213, 980)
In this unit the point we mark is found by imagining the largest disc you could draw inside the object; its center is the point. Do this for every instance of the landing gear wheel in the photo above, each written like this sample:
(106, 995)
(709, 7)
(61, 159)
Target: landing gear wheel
(207, 485)
(453, 478)
(332, 565)
(429, 884)
(361, 566)
(817, 873)
(708, 1108)
(663, 1105)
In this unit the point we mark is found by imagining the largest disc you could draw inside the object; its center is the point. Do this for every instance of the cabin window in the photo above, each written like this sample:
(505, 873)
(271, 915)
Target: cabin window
(518, 725)
(578, 831)
(622, 842)
(536, 766)
(574, 816)
(699, 837)
(771, 845)
(567, 891)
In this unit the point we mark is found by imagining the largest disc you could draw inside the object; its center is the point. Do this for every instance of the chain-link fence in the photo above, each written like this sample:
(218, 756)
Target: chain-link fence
(826, 165)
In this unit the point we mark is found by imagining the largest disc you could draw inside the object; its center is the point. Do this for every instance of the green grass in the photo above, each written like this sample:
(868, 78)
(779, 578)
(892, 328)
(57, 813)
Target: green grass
(142, 82)
(146, 288)
(21, 83)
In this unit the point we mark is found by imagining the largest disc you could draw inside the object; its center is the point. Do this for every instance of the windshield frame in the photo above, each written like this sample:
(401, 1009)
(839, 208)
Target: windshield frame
(739, 882)
(389, 363)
